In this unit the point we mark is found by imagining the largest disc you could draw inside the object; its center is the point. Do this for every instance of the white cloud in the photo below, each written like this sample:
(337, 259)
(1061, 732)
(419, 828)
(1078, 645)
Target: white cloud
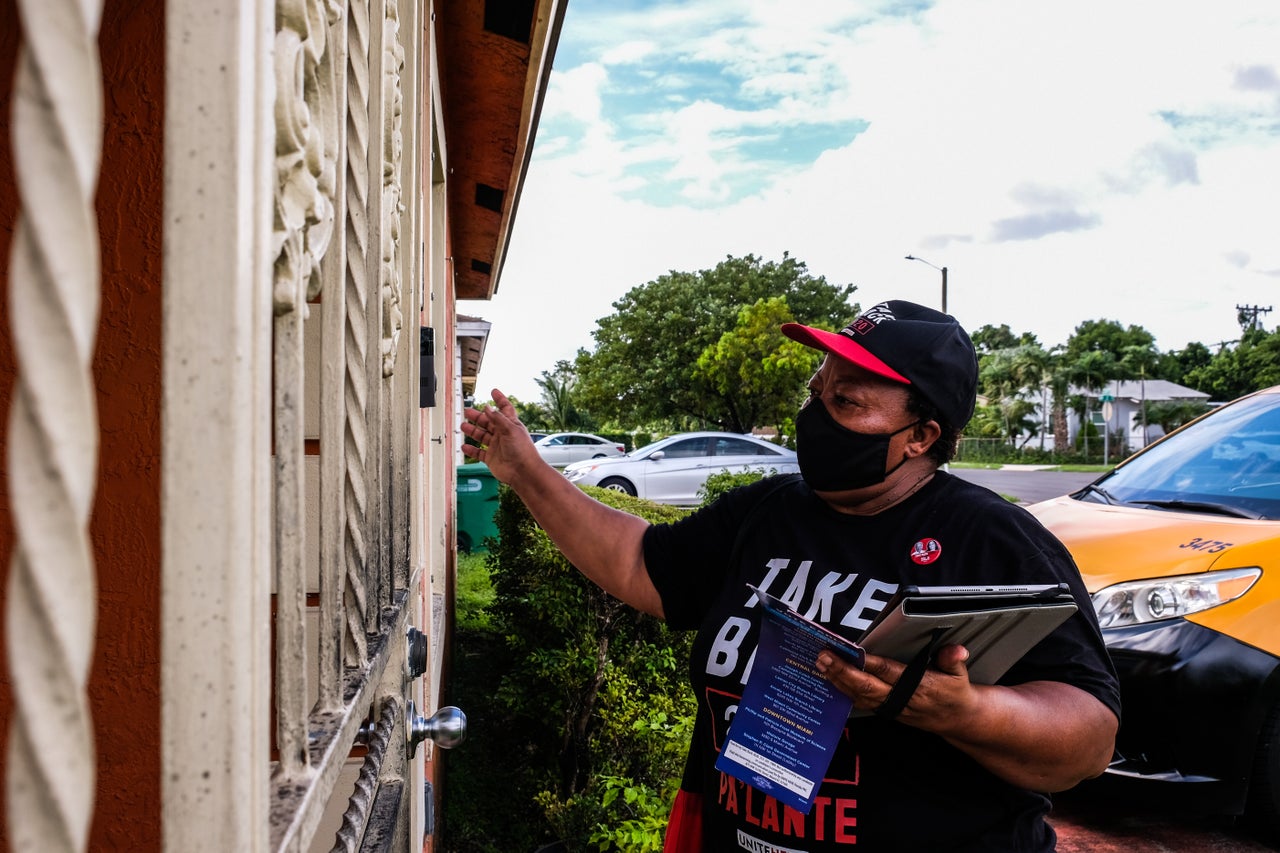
(1065, 160)
(575, 93)
(628, 52)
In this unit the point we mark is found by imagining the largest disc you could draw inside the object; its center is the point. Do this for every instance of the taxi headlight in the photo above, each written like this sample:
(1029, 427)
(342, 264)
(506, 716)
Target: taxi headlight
(1136, 602)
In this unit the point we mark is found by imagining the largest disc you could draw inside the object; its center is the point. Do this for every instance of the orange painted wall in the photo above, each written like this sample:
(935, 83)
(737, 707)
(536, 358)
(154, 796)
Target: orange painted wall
(124, 684)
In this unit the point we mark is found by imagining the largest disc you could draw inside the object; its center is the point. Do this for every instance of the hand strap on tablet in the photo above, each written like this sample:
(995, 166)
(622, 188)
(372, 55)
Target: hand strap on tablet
(901, 692)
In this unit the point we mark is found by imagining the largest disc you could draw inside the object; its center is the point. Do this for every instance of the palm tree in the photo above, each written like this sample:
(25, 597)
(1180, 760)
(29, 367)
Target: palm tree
(1092, 371)
(1140, 360)
(1057, 381)
(557, 398)
(996, 378)
(1005, 376)
(1030, 363)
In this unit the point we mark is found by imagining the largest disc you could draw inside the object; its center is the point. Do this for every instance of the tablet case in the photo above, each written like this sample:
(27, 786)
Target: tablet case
(997, 624)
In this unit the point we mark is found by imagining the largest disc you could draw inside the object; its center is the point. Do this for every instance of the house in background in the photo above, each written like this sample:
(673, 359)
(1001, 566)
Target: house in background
(472, 334)
(232, 239)
(1127, 400)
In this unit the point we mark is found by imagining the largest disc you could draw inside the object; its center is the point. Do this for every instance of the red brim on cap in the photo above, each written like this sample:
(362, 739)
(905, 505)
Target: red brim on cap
(842, 346)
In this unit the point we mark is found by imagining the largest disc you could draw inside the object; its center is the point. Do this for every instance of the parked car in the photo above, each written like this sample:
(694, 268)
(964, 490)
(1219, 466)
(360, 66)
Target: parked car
(561, 448)
(1180, 548)
(672, 470)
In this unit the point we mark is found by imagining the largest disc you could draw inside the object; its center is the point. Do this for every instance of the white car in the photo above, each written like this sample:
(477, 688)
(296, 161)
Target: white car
(561, 448)
(671, 471)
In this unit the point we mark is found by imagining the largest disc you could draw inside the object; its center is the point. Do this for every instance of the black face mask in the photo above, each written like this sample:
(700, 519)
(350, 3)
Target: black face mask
(834, 458)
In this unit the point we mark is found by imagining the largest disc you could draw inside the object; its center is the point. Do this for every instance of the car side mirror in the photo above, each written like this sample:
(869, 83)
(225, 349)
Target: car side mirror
(656, 455)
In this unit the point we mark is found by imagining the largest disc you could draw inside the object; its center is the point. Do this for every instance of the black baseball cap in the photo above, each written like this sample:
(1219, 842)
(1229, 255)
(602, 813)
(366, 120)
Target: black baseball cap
(911, 344)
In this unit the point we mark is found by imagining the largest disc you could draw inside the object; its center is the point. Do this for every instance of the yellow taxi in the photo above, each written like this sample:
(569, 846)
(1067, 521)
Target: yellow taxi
(1180, 548)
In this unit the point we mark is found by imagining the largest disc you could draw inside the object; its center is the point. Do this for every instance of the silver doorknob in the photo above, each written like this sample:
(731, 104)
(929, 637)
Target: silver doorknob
(446, 728)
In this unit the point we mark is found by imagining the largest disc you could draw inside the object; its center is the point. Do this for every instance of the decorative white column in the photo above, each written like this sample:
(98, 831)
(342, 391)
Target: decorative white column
(307, 129)
(216, 501)
(55, 294)
(356, 294)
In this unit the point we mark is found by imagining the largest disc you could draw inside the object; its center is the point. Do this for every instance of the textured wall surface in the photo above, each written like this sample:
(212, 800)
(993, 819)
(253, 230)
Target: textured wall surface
(124, 684)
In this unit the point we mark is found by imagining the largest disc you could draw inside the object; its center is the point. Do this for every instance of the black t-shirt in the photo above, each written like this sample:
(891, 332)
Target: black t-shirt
(891, 787)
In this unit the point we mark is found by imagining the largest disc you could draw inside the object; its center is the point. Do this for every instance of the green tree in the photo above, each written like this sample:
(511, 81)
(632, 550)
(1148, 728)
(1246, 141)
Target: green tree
(1107, 336)
(990, 338)
(1140, 361)
(987, 422)
(1100, 351)
(1176, 364)
(1091, 370)
(1251, 365)
(1057, 387)
(756, 370)
(644, 368)
(558, 399)
(532, 415)
(1010, 378)
(1171, 414)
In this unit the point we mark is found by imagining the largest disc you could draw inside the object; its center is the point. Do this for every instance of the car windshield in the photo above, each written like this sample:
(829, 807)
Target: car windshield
(653, 445)
(1226, 464)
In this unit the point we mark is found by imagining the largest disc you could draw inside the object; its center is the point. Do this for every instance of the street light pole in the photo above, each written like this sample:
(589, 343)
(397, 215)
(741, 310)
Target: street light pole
(942, 270)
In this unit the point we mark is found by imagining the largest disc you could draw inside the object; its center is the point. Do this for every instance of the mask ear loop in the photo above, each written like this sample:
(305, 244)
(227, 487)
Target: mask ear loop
(904, 459)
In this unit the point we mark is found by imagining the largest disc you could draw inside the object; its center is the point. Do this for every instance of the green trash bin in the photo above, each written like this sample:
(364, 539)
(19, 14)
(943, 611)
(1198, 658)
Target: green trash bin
(477, 505)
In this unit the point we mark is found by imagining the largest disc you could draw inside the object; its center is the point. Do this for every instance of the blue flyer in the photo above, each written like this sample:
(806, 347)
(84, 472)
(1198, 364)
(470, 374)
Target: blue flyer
(790, 719)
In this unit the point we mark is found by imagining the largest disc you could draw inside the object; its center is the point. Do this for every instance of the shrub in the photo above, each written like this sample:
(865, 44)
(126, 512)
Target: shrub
(623, 438)
(726, 481)
(474, 593)
(489, 804)
(597, 691)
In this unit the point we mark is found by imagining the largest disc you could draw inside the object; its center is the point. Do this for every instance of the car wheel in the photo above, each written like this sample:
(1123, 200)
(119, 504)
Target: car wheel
(617, 484)
(1263, 807)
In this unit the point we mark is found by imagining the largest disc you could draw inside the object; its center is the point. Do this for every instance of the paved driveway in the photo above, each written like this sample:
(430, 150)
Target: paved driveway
(1027, 483)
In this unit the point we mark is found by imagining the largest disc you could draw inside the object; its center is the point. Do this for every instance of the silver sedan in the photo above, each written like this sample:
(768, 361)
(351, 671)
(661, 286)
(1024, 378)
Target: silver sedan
(561, 448)
(672, 470)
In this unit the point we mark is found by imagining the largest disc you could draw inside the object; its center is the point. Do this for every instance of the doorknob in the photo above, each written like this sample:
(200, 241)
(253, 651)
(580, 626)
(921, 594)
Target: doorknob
(446, 728)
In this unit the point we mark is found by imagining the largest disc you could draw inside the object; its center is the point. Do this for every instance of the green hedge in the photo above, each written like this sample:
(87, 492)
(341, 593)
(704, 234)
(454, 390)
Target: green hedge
(622, 438)
(726, 481)
(585, 705)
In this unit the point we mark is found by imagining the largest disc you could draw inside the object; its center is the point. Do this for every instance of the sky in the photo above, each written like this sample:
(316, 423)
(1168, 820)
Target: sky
(1065, 161)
